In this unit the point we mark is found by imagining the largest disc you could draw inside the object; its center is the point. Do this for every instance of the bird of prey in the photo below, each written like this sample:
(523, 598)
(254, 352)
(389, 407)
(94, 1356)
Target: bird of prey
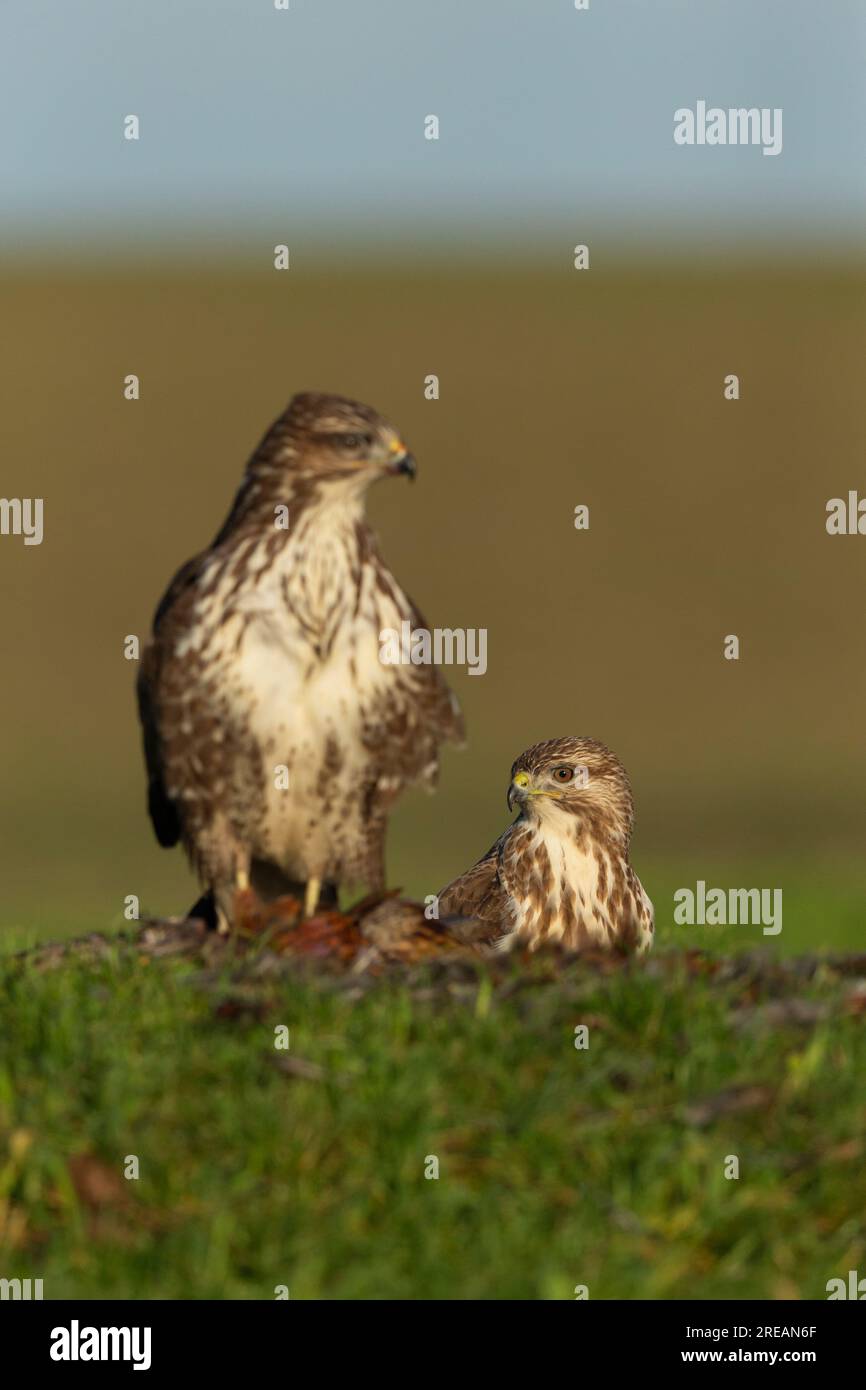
(276, 740)
(561, 871)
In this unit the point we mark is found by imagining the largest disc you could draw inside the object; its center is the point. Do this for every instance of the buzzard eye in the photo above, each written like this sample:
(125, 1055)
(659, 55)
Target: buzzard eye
(352, 442)
(563, 774)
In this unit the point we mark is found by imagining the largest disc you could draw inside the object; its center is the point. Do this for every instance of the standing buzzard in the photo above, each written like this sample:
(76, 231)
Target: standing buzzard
(276, 740)
(561, 872)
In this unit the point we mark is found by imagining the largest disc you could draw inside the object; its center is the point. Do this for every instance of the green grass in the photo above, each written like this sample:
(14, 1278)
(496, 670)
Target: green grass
(557, 1166)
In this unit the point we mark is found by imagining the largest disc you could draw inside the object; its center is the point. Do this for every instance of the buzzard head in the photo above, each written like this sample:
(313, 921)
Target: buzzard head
(332, 439)
(572, 777)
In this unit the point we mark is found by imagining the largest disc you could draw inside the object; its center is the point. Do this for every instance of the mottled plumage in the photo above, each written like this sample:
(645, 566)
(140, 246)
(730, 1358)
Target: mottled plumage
(265, 656)
(561, 872)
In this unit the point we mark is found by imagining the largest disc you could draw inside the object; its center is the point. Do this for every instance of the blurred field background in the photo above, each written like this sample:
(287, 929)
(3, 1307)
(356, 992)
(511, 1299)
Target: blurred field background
(557, 388)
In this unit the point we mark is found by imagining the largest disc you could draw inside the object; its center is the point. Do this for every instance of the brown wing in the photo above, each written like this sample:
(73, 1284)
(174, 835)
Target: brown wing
(479, 893)
(162, 810)
(419, 711)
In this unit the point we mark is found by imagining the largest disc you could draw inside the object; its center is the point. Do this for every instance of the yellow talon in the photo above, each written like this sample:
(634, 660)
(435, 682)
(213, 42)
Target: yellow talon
(311, 900)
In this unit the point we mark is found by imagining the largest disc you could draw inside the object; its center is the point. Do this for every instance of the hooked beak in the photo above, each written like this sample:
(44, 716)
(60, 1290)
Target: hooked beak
(402, 462)
(519, 789)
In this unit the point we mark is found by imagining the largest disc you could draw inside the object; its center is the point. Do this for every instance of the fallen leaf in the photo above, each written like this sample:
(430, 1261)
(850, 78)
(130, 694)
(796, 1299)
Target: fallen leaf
(96, 1185)
(299, 1067)
(734, 1100)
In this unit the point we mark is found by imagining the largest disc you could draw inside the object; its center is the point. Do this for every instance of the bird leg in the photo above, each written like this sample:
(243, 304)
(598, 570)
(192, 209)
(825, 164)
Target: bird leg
(225, 896)
(224, 906)
(311, 898)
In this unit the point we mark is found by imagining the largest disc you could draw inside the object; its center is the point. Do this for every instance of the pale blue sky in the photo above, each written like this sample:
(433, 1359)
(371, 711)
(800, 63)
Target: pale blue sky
(256, 120)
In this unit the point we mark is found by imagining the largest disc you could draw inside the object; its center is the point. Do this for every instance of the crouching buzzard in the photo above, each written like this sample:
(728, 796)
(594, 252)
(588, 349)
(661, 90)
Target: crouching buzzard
(276, 741)
(561, 872)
